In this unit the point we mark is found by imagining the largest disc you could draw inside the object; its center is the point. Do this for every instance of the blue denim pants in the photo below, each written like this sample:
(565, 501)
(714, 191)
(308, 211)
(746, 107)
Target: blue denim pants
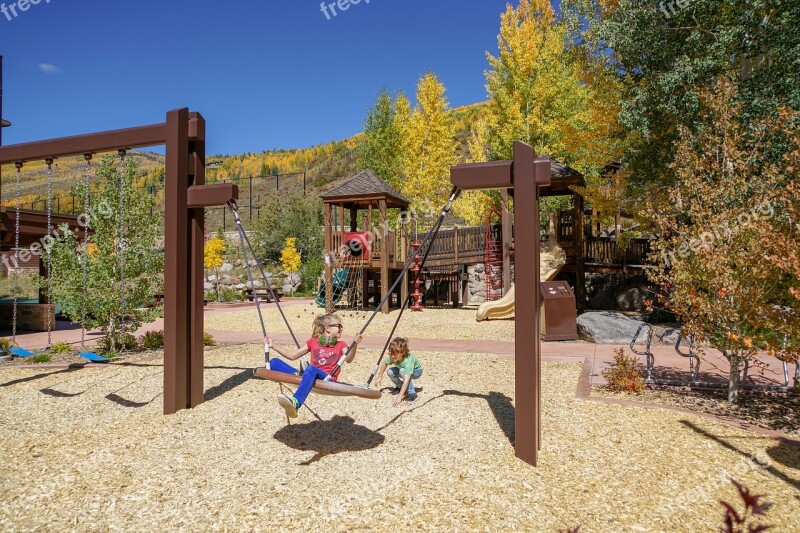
(310, 375)
(398, 376)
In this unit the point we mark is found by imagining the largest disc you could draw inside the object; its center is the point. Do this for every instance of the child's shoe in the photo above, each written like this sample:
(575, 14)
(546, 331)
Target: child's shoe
(289, 404)
(411, 396)
(395, 391)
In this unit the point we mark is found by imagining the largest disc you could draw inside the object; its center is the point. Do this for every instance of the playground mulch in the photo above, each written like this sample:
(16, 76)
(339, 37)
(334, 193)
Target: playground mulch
(438, 323)
(771, 410)
(88, 449)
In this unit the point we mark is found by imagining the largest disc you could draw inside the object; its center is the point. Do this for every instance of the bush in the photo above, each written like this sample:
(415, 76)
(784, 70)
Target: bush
(5, 344)
(208, 339)
(104, 344)
(309, 274)
(623, 376)
(61, 347)
(152, 340)
(40, 358)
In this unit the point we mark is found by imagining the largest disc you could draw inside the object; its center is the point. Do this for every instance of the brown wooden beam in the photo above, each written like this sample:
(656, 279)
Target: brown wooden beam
(211, 195)
(177, 342)
(491, 175)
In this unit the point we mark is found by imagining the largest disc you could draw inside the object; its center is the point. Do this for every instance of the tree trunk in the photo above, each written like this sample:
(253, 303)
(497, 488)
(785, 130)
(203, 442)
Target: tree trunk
(734, 385)
(216, 282)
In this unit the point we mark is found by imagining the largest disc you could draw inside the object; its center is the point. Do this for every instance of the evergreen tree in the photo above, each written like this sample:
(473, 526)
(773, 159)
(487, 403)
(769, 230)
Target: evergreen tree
(382, 149)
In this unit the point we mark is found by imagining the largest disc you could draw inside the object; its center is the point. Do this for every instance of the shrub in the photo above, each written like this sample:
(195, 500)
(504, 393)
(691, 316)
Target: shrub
(310, 272)
(5, 344)
(104, 344)
(208, 339)
(152, 340)
(40, 358)
(623, 376)
(61, 347)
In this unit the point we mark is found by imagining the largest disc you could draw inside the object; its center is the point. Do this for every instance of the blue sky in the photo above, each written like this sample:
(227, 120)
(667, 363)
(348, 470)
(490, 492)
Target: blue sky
(265, 74)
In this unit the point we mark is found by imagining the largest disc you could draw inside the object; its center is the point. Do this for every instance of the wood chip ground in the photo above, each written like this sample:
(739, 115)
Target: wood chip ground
(89, 450)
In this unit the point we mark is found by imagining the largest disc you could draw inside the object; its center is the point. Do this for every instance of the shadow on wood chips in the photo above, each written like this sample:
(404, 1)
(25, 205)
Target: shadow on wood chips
(326, 437)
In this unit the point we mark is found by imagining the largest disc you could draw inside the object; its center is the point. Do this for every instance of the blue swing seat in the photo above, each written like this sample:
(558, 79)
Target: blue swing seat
(20, 352)
(95, 358)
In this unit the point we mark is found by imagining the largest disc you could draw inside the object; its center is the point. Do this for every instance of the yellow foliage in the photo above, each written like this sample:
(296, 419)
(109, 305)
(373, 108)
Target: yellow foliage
(290, 257)
(429, 144)
(212, 253)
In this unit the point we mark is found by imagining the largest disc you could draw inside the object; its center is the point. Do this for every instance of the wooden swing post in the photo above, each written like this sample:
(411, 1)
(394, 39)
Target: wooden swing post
(522, 176)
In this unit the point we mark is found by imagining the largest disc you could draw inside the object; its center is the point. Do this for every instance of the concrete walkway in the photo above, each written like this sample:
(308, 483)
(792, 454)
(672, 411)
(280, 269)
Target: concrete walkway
(668, 364)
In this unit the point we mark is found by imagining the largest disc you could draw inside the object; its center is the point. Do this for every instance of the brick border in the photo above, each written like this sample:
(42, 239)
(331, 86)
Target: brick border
(584, 392)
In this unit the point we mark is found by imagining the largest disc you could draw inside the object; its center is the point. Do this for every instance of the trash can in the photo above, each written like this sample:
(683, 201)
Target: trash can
(559, 315)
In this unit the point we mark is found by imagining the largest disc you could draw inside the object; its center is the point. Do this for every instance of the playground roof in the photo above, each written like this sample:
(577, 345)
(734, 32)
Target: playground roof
(561, 178)
(364, 189)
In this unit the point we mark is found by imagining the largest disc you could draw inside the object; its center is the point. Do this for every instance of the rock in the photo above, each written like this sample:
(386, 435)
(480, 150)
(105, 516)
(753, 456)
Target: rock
(212, 278)
(208, 286)
(480, 268)
(238, 263)
(607, 327)
(252, 263)
(239, 286)
(226, 267)
(287, 289)
(631, 299)
(255, 283)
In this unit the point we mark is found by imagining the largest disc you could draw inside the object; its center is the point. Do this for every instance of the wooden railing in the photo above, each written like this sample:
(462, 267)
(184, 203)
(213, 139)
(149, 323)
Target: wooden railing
(461, 243)
(606, 251)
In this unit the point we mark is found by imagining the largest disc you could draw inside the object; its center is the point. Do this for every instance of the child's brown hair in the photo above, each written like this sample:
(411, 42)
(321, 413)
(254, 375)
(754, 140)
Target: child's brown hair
(399, 345)
(318, 328)
(328, 320)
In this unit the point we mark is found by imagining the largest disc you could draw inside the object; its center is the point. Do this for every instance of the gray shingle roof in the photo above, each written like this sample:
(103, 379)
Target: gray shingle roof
(365, 183)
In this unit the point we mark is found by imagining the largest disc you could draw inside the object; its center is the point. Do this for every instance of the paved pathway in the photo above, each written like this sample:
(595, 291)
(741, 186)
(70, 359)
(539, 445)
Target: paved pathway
(668, 364)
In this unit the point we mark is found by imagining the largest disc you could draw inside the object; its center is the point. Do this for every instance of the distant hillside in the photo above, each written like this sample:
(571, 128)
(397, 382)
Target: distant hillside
(323, 166)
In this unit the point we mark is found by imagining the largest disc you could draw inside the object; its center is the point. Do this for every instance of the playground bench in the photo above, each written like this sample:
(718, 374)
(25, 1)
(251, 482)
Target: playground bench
(263, 294)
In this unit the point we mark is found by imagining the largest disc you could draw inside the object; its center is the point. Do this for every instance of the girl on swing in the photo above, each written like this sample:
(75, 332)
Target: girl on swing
(326, 351)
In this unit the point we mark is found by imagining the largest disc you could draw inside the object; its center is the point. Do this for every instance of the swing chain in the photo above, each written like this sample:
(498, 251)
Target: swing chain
(122, 153)
(49, 247)
(18, 166)
(85, 261)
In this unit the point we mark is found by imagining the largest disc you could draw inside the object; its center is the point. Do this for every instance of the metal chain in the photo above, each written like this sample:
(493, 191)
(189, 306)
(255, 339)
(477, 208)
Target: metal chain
(88, 159)
(122, 152)
(49, 249)
(18, 165)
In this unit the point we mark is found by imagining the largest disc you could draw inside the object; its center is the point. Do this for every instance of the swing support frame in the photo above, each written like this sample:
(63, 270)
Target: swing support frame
(522, 176)
(186, 196)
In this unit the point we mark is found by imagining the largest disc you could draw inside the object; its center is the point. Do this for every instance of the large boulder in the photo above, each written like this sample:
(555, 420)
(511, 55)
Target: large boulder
(607, 327)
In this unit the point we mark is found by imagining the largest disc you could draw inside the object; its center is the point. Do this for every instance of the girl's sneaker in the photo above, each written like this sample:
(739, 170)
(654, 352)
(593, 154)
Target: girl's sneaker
(289, 404)
(395, 391)
(411, 396)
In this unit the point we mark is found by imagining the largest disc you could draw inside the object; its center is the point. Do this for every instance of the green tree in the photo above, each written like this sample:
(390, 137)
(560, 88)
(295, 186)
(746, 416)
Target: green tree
(295, 216)
(666, 55)
(109, 299)
(382, 149)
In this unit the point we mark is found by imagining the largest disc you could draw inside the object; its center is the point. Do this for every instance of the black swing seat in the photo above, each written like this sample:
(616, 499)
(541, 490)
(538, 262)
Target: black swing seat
(331, 388)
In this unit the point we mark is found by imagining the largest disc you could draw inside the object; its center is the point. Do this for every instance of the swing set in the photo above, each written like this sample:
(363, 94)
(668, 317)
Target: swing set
(187, 195)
